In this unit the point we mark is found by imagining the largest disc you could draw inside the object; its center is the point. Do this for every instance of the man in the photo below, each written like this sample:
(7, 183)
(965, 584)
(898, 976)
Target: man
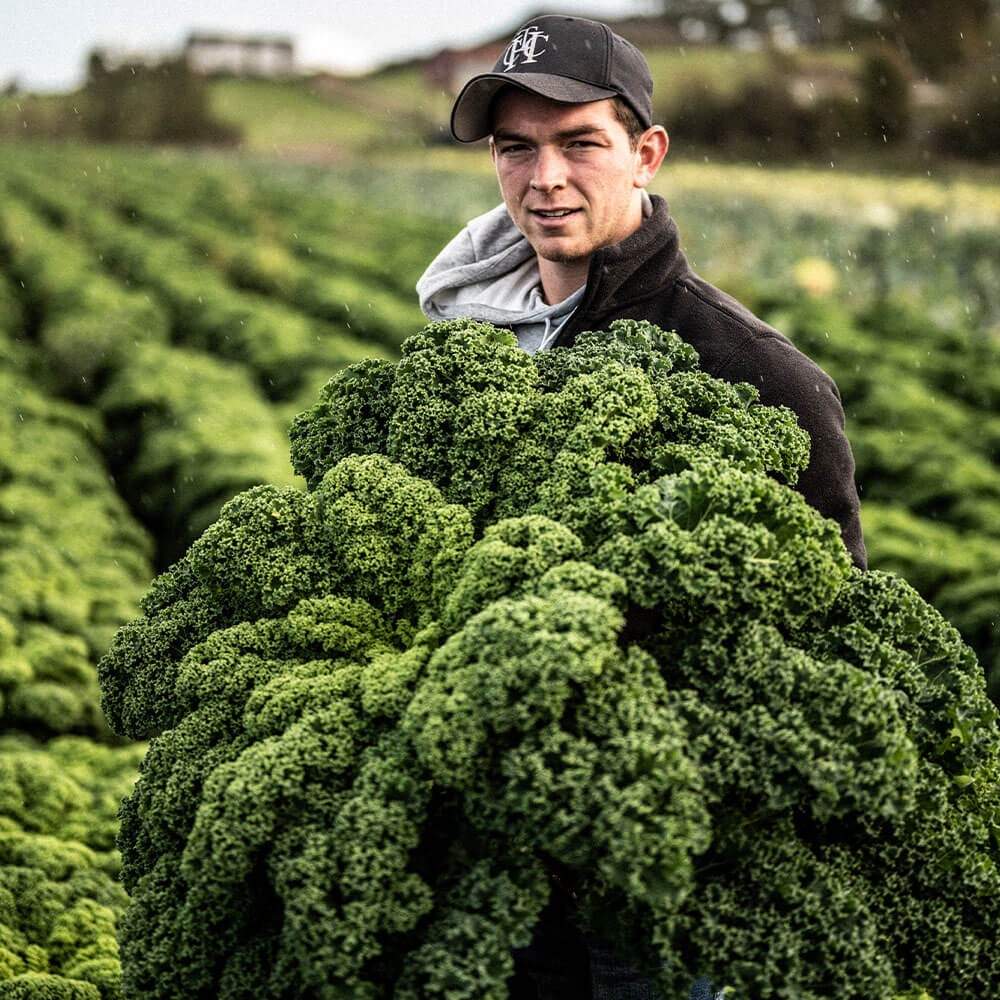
(578, 242)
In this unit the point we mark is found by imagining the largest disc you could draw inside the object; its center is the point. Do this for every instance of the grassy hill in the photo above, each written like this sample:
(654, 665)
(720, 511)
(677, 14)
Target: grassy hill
(331, 117)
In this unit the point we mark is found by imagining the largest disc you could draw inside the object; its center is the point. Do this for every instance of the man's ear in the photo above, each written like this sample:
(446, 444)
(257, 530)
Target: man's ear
(649, 151)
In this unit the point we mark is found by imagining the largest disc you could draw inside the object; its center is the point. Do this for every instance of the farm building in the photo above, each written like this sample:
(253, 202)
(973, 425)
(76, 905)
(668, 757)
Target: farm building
(255, 55)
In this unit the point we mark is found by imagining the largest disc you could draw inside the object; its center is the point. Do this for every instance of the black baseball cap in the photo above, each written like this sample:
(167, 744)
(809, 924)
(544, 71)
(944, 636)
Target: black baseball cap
(567, 59)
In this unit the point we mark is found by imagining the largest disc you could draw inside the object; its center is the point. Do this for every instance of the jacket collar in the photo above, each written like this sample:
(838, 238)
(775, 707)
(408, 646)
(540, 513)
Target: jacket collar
(638, 266)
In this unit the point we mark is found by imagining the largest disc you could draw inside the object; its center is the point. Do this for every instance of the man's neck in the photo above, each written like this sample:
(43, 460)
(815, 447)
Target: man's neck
(561, 279)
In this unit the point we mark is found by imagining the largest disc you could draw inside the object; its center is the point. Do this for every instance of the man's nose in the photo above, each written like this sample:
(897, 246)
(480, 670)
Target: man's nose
(550, 170)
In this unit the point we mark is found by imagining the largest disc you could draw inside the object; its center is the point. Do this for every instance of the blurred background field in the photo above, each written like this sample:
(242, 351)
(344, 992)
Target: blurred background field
(186, 258)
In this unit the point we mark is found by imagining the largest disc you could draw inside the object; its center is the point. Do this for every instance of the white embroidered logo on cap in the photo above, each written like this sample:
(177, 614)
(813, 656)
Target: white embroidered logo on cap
(524, 48)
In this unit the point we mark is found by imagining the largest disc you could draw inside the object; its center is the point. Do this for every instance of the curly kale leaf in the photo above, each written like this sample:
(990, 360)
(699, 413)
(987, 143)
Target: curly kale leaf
(369, 530)
(504, 434)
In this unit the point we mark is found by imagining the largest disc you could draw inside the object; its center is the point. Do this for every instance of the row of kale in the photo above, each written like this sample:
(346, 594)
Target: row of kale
(333, 283)
(74, 561)
(73, 564)
(181, 430)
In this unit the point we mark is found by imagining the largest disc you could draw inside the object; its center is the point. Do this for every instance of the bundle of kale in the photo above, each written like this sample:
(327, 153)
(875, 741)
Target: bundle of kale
(552, 614)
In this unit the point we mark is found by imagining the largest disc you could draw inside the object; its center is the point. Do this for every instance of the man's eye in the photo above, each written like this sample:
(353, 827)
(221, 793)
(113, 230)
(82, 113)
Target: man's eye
(513, 147)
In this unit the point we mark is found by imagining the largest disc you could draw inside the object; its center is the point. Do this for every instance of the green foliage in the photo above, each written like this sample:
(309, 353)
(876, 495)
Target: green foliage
(184, 430)
(281, 346)
(87, 323)
(284, 301)
(72, 566)
(538, 616)
(44, 986)
(486, 430)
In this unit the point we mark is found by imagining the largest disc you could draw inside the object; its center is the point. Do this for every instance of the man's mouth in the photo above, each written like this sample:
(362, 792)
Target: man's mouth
(553, 213)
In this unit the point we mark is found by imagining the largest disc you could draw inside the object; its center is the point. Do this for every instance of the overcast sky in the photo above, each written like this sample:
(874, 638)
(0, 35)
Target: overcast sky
(44, 43)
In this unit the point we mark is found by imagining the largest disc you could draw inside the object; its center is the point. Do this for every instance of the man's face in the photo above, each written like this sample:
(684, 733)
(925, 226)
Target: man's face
(568, 173)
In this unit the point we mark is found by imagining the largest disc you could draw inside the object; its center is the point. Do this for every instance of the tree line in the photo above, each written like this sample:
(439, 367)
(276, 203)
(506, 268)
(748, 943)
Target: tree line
(935, 35)
(136, 101)
(923, 79)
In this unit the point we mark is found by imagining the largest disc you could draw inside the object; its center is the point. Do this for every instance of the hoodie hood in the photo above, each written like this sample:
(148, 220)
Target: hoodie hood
(489, 272)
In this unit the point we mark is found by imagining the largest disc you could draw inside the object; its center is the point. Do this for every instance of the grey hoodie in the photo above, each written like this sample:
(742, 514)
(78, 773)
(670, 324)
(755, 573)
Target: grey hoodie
(489, 272)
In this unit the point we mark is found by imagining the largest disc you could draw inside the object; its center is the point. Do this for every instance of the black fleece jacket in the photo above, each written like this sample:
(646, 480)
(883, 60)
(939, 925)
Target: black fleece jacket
(647, 276)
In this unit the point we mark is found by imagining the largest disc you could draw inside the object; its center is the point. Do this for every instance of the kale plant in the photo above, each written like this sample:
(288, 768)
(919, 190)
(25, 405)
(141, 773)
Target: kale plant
(537, 625)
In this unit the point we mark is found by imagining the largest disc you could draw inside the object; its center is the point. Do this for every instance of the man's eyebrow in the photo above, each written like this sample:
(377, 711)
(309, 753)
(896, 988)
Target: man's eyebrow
(576, 132)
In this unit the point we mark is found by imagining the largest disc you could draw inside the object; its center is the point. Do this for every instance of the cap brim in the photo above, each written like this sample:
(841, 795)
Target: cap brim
(470, 116)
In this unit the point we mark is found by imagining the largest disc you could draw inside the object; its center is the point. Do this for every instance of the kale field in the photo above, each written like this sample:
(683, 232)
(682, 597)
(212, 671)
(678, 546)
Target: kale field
(164, 317)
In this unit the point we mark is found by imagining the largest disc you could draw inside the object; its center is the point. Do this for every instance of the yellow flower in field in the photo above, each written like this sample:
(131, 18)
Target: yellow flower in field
(815, 276)
(880, 215)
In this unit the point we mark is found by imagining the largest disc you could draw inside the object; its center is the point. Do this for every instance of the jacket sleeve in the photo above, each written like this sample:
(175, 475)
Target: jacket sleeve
(785, 377)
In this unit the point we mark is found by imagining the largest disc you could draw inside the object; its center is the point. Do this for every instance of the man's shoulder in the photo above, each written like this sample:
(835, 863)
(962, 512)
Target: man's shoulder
(660, 285)
(735, 344)
(725, 329)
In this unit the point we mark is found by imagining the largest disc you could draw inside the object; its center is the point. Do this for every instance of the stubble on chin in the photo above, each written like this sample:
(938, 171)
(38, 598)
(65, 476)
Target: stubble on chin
(557, 255)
